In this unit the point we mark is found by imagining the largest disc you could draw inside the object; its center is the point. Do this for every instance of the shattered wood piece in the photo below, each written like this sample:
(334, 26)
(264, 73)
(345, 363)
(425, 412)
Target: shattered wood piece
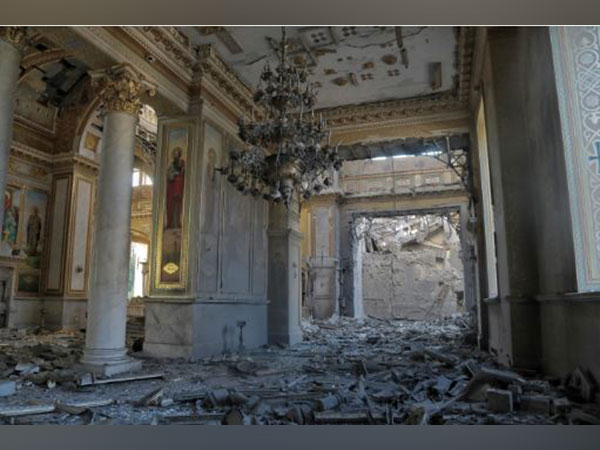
(91, 403)
(486, 376)
(189, 396)
(581, 417)
(90, 379)
(153, 398)
(448, 360)
(71, 409)
(469, 367)
(296, 381)
(499, 400)
(26, 410)
(348, 418)
(271, 371)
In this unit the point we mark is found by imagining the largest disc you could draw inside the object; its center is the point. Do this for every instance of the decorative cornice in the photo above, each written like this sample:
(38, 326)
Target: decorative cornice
(171, 41)
(15, 36)
(213, 70)
(29, 153)
(122, 89)
(392, 110)
(69, 161)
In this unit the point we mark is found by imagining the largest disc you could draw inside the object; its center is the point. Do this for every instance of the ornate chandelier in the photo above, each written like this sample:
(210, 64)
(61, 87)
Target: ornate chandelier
(285, 154)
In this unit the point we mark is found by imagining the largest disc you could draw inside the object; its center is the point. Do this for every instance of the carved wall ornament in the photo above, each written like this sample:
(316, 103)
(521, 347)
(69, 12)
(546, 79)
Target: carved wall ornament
(173, 42)
(16, 36)
(122, 89)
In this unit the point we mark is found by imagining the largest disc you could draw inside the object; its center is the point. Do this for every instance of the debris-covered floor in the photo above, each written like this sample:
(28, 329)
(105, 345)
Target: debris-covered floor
(345, 372)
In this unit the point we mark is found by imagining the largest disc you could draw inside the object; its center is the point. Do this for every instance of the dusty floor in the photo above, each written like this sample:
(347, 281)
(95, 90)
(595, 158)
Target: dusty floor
(345, 371)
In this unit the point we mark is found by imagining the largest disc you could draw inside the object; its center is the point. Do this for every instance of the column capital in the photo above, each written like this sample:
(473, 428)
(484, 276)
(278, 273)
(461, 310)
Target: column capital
(15, 36)
(121, 88)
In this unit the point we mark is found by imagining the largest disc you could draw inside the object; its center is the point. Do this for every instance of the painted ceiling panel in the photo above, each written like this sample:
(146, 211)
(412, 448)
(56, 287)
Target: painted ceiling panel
(350, 64)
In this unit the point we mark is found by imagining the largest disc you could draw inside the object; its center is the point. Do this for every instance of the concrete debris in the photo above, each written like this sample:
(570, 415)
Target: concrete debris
(500, 401)
(89, 379)
(347, 372)
(536, 404)
(580, 383)
(7, 388)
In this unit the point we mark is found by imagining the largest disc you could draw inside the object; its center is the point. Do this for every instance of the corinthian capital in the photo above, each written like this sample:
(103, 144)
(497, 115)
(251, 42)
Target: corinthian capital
(16, 36)
(122, 88)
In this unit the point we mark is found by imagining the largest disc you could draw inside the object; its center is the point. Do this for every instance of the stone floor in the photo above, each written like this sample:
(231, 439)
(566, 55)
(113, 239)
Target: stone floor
(345, 371)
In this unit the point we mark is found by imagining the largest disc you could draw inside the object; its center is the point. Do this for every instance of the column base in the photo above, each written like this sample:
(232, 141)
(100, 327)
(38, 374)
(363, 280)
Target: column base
(108, 362)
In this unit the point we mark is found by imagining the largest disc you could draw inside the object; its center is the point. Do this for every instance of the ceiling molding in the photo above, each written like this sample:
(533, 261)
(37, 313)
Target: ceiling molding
(216, 75)
(391, 110)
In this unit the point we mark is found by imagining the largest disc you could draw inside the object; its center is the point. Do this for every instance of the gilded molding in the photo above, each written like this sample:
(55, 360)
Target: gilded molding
(122, 89)
(15, 36)
(392, 110)
(173, 43)
(213, 69)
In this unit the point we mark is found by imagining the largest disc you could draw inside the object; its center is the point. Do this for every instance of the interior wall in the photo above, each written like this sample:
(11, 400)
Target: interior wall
(528, 179)
(224, 241)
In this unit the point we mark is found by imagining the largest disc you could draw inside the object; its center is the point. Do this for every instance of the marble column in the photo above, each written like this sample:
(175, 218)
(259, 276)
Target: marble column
(284, 286)
(12, 40)
(105, 350)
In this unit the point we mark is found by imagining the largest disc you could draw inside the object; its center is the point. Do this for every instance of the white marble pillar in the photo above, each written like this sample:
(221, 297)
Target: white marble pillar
(105, 350)
(11, 46)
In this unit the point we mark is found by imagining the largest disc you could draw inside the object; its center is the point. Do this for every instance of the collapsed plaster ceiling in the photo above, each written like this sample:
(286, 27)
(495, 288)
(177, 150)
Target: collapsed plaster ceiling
(350, 65)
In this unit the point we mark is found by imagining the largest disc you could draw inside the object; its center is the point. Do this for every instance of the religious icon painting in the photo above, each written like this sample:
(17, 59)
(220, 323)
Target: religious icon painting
(173, 209)
(34, 215)
(10, 225)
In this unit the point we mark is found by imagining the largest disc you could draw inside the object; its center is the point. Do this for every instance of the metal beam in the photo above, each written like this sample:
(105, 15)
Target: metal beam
(408, 146)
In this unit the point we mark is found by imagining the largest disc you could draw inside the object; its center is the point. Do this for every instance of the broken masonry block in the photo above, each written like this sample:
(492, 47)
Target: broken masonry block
(536, 404)
(561, 405)
(500, 400)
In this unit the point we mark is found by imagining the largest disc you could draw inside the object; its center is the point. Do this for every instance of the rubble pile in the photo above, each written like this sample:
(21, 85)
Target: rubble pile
(346, 371)
(35, 357)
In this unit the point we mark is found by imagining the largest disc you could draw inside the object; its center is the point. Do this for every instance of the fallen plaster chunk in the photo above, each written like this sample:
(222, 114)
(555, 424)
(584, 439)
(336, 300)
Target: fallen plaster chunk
(89, 379)
(7, 388)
